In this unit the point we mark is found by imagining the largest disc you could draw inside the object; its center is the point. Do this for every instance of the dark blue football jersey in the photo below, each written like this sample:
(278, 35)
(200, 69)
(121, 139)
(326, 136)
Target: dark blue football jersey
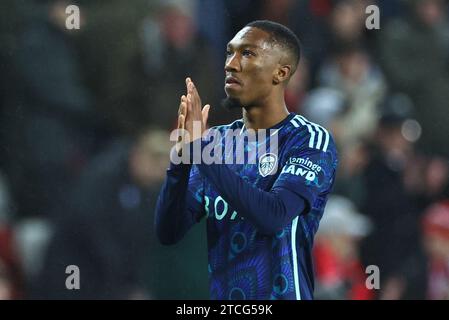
(244, 262)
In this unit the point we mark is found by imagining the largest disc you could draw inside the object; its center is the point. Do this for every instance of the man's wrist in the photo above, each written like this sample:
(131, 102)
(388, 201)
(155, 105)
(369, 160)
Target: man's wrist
(188, 153)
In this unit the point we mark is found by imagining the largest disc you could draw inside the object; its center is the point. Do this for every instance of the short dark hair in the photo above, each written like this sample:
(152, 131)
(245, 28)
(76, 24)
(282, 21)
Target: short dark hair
(282, 36)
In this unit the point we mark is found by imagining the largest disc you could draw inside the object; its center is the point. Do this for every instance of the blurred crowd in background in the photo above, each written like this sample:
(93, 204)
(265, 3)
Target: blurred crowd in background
(84, 136)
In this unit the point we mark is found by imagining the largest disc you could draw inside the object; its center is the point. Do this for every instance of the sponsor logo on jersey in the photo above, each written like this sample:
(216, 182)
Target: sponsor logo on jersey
(303, 167)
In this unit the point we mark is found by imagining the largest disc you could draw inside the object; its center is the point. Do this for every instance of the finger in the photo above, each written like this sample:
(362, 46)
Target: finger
(189, 103)
(194, 92)
(181, 125)
(182, 106)
(205, 114)
(190, 86)
(193, 102)
(196, 96)
(181, 121)
(182, 110)
(196, 101)
(188, 80)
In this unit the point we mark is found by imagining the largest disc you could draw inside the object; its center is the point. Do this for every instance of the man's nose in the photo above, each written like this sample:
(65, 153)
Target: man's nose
(232, 64)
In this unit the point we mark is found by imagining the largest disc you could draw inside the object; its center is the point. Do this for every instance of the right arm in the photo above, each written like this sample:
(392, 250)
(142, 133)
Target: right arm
(179, 205)
(180, 202)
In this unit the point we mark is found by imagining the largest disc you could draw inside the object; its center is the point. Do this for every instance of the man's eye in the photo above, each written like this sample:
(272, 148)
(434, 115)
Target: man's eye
(228, 53)
(247, 53)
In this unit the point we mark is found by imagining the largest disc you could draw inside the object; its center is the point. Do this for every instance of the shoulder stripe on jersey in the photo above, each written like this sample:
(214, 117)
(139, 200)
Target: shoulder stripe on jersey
(320, 134)
(326, 143)
(295, 259)
(311, 131)
(320, 131)
(294, 122)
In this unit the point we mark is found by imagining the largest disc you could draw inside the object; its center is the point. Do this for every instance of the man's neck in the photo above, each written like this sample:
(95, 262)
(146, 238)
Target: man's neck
(264, 117)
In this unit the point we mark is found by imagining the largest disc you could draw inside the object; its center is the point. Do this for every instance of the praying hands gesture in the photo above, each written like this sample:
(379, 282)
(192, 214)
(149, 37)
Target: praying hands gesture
(192, 119)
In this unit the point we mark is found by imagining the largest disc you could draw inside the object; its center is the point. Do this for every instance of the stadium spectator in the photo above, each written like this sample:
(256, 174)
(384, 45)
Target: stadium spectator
(47, 120)
(425, 275)
(324, 25)
(298, 87)
(111, 52)
(414, 52)
(351, 70)
(347, 22)
(340, 274)
(436, 244)
(387, 202)
(104, 225)
(173, 49)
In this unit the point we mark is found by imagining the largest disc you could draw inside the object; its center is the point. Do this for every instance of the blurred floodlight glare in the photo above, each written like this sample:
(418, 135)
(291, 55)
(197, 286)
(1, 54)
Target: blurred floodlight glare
(411, 130)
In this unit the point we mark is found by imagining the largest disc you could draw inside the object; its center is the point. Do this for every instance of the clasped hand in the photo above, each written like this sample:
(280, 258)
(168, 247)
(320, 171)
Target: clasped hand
(192, 119)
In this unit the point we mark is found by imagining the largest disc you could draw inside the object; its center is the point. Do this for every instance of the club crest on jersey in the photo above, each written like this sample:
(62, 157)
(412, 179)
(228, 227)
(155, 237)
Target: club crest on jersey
(267, 164)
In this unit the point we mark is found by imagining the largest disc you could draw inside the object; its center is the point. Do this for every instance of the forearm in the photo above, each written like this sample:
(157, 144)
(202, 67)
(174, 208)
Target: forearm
(172, 219)
(268, 211)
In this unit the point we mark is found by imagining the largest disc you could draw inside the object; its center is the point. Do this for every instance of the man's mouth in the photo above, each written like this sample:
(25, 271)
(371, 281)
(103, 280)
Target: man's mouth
(232, 82)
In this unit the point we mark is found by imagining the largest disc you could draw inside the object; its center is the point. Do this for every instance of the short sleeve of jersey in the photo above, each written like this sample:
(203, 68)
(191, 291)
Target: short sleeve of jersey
(195, 194)
(308, 172)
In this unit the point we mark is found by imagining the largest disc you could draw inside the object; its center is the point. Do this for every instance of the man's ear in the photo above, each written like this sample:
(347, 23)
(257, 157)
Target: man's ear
(282, 74)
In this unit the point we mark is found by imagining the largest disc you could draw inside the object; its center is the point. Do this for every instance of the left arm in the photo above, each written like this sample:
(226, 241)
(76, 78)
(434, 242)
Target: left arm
(270, 211)
(294, 192)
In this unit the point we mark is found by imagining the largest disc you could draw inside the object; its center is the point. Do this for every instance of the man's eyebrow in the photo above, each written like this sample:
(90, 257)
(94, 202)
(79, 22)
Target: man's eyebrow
(243, 45)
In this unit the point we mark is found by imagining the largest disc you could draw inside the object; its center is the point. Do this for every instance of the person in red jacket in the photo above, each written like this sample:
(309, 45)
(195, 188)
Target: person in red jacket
(339, 272)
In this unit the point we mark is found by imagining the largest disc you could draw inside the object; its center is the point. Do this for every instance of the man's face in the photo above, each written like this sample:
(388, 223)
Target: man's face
(251, 63)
